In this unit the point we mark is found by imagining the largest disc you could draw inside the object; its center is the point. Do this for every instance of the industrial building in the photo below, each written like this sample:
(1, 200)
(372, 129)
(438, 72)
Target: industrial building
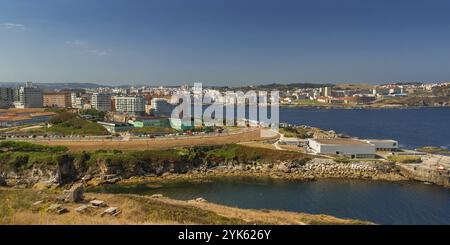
(181, 124)
(383, 145)
(352, 148)
(141, 122)
(116, 127)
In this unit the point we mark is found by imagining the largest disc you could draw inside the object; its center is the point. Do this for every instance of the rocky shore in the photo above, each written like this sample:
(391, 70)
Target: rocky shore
(315, 168)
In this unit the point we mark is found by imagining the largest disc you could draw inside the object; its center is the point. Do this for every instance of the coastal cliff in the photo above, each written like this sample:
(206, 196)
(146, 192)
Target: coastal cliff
(47, 166)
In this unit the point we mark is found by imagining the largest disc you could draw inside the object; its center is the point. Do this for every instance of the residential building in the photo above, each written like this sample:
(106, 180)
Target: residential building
(132, 105)
(327, 91)
(6, 97)
(57, 99)
(29, 96)
(101, 101)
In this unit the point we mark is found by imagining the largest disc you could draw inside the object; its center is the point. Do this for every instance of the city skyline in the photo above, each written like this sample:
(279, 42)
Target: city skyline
(224, 42)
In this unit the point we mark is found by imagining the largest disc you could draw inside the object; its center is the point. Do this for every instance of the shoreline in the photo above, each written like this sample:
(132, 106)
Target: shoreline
(368, 107)
(311, 171)
(210, 176)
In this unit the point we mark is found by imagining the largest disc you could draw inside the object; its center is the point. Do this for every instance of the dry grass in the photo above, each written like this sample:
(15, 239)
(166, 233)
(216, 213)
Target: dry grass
(405, 159)
(16, 208)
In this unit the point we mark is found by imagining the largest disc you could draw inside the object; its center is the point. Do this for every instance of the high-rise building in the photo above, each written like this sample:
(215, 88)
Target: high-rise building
(327, 91)
(130, 104)
(57, 99)
(29, 96)
(101, 101)
(6, 97)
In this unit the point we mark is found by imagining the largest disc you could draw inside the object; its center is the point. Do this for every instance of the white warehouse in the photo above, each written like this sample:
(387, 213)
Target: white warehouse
(347, 147)
(384, 145)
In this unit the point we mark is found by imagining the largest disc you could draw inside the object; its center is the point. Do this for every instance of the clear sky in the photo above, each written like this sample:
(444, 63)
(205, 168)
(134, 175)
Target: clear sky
(224, 42)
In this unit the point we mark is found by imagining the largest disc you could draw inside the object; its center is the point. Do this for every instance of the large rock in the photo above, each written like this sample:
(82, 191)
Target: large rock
(82, 209)
(157, 196)
(57, 209)
(66, 171)
(98, 203)
(112, 211)
(74, 194)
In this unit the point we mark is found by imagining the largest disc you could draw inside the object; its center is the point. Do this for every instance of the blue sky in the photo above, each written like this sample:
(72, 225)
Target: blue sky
(224, 42)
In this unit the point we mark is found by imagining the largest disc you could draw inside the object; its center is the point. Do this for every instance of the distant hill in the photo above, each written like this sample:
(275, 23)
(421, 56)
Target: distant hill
(277, 86)
(55, 85)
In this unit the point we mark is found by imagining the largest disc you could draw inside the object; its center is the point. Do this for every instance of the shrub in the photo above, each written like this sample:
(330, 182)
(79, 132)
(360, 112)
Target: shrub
(62, 117)
(95, 114)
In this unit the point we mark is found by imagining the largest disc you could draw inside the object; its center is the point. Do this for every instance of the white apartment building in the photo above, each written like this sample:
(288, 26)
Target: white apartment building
(130, 104)
(29, 96)
(101, 101)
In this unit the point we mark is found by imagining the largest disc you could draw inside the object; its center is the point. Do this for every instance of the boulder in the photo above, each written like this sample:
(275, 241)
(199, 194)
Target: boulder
(200, 199)
(112, 211)
(82, 209)
(98, 203)
(74, 194)
(283, 168)
(41, 186)
(57, 209)
(38, 203)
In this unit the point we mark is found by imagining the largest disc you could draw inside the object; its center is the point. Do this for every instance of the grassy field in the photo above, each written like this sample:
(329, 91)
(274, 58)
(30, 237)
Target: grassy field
(158, 143)
(78, 126)
(433, 149)
(17, 208)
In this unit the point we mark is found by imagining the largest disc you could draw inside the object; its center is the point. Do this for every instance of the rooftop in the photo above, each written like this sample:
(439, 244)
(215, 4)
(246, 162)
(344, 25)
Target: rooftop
(378, 140)
(341, 142)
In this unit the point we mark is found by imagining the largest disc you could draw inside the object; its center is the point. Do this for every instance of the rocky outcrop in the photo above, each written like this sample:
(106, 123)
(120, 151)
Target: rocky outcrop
(66, 172)
(315, 168)
(44, 175)
(2, 181)
(110, 171)
(74, 194)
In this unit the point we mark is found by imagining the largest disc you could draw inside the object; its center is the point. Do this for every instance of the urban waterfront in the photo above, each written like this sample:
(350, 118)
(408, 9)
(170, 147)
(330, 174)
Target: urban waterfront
(412, 127)
(377, 201)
